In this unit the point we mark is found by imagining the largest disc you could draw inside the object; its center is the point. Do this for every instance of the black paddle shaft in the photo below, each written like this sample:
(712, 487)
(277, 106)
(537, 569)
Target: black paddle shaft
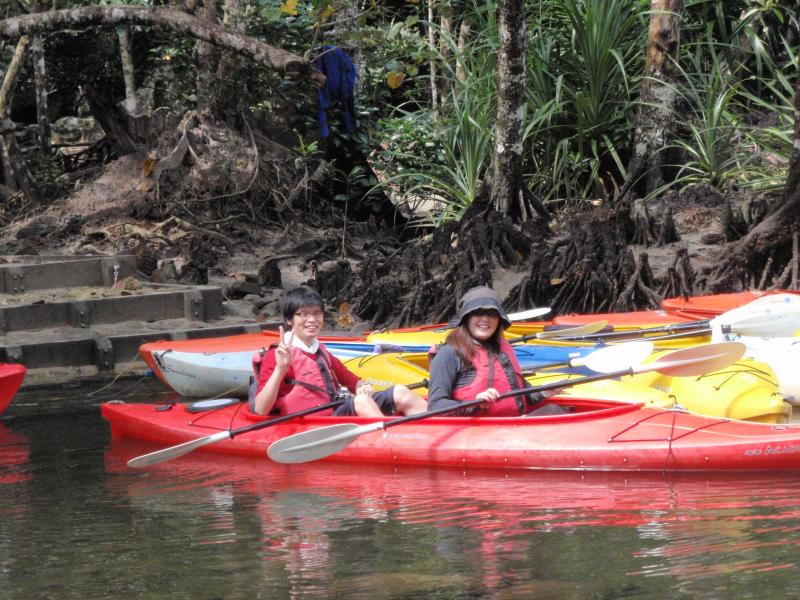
(284, 418)
(302, 413)
(528, 390)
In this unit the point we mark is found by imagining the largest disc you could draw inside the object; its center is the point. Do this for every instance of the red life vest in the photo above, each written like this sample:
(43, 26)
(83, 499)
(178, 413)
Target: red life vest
(500, 371)
(314, 382)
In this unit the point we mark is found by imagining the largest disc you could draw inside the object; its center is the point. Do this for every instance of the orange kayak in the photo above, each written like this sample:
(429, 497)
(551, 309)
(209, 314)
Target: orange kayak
(707, 307)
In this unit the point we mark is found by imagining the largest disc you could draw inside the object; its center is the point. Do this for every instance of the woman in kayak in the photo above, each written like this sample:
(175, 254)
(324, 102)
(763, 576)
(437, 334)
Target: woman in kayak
(299, 372)
(477, 363)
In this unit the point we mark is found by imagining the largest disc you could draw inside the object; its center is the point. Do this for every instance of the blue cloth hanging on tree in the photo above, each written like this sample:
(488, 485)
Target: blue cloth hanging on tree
(340, 74)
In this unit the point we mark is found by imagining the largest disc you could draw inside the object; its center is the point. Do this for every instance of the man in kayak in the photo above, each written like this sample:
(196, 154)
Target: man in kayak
(477, 363)
(299, 372)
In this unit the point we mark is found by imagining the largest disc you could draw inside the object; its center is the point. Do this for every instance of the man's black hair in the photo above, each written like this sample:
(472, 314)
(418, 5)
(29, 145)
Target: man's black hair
(297, 298)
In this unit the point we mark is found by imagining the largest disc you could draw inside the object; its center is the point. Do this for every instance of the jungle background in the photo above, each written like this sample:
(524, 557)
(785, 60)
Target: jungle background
(587, 155)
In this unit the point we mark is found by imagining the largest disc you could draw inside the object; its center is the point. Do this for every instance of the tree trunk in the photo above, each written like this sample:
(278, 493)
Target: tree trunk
(205, 58)
(432, 44)
(445, 30)
(126, 56)
(463, 35)
(655, 116)
(114, 121)
(6, 126)
(111, 16)
(40, 79)
(12, 75)
(9, 180)
(230, 91)
(11, 153)
(507, 177)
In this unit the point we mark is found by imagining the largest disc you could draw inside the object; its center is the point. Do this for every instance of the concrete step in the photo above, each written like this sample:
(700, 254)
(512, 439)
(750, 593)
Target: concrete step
(60, 317)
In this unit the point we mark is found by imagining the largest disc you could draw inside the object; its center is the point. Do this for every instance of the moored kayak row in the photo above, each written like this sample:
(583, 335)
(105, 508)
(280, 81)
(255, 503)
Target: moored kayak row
(648, 421)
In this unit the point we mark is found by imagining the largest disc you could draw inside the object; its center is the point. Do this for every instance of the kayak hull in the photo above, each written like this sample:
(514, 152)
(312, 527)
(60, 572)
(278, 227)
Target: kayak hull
(597, 435)
(11, 376)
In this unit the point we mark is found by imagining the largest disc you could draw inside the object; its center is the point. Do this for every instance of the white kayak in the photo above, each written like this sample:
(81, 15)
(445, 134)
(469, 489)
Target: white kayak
(206, 374)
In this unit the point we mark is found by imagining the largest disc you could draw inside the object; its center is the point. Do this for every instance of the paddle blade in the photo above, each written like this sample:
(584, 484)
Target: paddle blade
(615, 358)
(777, 307)
(698, 360)
(159, 456)
(766, 325)
(317, 443)
(529, 314)
(780, 302)
(568, 332)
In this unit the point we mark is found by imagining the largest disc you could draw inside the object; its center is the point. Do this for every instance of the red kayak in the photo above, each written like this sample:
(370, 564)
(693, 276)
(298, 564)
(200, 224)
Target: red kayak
(707, 307)
(596, 435)
(11, 376)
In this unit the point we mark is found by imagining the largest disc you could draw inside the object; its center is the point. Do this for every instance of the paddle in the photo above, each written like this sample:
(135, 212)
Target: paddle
(166, 454)
(557, 334)
(524, 315)
(319, 443)
(384, 348)
(763, 317)
(604, 360)
(769, 324)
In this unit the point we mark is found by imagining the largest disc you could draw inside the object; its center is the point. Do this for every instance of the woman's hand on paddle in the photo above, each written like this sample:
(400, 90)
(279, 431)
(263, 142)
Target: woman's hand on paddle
(283, 352)
(488, 396)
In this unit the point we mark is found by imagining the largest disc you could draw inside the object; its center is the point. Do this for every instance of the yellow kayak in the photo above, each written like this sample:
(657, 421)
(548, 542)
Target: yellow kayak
(746, 390)
(430, 336)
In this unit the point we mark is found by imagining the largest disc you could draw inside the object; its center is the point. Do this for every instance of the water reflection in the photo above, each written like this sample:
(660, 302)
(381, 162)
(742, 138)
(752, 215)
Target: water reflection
(14, 456)
(350, 530)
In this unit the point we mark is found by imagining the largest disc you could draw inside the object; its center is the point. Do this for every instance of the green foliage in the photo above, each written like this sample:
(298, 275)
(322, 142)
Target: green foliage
(734, 123)
(584, 62)
(711, 126)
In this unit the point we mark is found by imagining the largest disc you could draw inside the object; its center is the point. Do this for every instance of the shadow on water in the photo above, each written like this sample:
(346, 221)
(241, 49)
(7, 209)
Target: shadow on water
(76, 522)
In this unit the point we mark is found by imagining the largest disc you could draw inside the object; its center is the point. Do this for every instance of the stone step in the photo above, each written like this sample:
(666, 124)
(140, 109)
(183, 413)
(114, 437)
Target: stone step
(94, 305)
(106, 353)
(60, 317)
(21, 274)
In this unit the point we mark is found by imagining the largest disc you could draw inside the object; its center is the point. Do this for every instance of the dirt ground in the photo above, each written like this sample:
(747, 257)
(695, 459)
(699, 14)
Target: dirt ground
(97, 218)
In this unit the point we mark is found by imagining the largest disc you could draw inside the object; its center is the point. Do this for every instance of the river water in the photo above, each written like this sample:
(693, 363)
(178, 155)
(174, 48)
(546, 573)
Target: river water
(75, 522)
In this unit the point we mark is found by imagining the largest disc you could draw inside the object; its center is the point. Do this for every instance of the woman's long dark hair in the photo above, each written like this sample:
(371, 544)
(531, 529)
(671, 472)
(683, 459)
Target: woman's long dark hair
(461, 340)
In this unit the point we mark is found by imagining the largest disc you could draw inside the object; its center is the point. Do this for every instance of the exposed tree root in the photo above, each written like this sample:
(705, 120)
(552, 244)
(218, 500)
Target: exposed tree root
(680, 277)
(592, 270)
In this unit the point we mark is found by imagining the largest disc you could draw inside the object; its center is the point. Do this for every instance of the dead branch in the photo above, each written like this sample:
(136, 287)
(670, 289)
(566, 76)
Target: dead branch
(186, 226)
(111, 16)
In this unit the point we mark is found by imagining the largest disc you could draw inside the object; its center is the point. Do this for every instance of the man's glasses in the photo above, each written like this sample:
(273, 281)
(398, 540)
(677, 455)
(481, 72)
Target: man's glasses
(305, 316)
